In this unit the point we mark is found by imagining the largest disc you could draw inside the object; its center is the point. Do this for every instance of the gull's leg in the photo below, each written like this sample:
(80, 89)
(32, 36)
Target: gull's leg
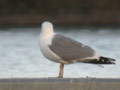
(61, 70)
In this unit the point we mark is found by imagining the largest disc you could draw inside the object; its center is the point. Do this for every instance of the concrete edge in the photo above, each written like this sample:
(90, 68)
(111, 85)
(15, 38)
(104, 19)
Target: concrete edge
(58, 80)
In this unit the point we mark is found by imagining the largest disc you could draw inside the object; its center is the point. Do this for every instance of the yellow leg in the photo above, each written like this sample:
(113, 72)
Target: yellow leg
(61, 71)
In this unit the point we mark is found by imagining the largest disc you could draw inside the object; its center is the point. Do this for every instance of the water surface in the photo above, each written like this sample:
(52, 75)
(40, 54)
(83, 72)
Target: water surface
(20, 55)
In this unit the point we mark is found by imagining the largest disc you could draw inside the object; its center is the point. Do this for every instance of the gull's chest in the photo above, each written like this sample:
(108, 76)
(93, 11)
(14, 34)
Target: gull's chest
(44, 46)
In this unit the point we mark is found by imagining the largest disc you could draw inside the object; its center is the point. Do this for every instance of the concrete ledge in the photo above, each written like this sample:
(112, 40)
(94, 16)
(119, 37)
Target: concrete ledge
(60, 84)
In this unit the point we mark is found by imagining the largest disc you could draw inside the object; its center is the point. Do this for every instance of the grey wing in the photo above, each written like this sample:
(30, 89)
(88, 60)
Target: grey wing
(69, 49)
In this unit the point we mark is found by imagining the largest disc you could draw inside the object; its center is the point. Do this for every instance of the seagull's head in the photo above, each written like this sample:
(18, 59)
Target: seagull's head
(47, 25)
(47, 28)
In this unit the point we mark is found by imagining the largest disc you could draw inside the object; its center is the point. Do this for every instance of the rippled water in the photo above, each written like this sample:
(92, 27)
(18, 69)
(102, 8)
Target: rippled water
(20, 55)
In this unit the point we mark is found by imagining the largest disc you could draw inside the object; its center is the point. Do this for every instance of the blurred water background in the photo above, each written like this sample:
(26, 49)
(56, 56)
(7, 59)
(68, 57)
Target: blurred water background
(20, 55)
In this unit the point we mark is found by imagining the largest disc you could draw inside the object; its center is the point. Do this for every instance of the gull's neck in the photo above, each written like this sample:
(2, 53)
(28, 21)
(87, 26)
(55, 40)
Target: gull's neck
(47, 30)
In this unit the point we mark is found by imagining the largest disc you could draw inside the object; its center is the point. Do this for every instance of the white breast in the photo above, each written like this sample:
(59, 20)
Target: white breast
(44, 43)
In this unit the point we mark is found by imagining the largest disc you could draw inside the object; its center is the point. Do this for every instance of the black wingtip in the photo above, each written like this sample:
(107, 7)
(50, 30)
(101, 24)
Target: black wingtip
(107, 60)
(102, 60)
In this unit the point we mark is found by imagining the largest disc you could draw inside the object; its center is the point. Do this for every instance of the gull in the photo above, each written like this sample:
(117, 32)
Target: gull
(64, 50)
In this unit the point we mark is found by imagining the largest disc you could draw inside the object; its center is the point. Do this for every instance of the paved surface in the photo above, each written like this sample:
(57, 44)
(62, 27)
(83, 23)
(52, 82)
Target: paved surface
(59, 84)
